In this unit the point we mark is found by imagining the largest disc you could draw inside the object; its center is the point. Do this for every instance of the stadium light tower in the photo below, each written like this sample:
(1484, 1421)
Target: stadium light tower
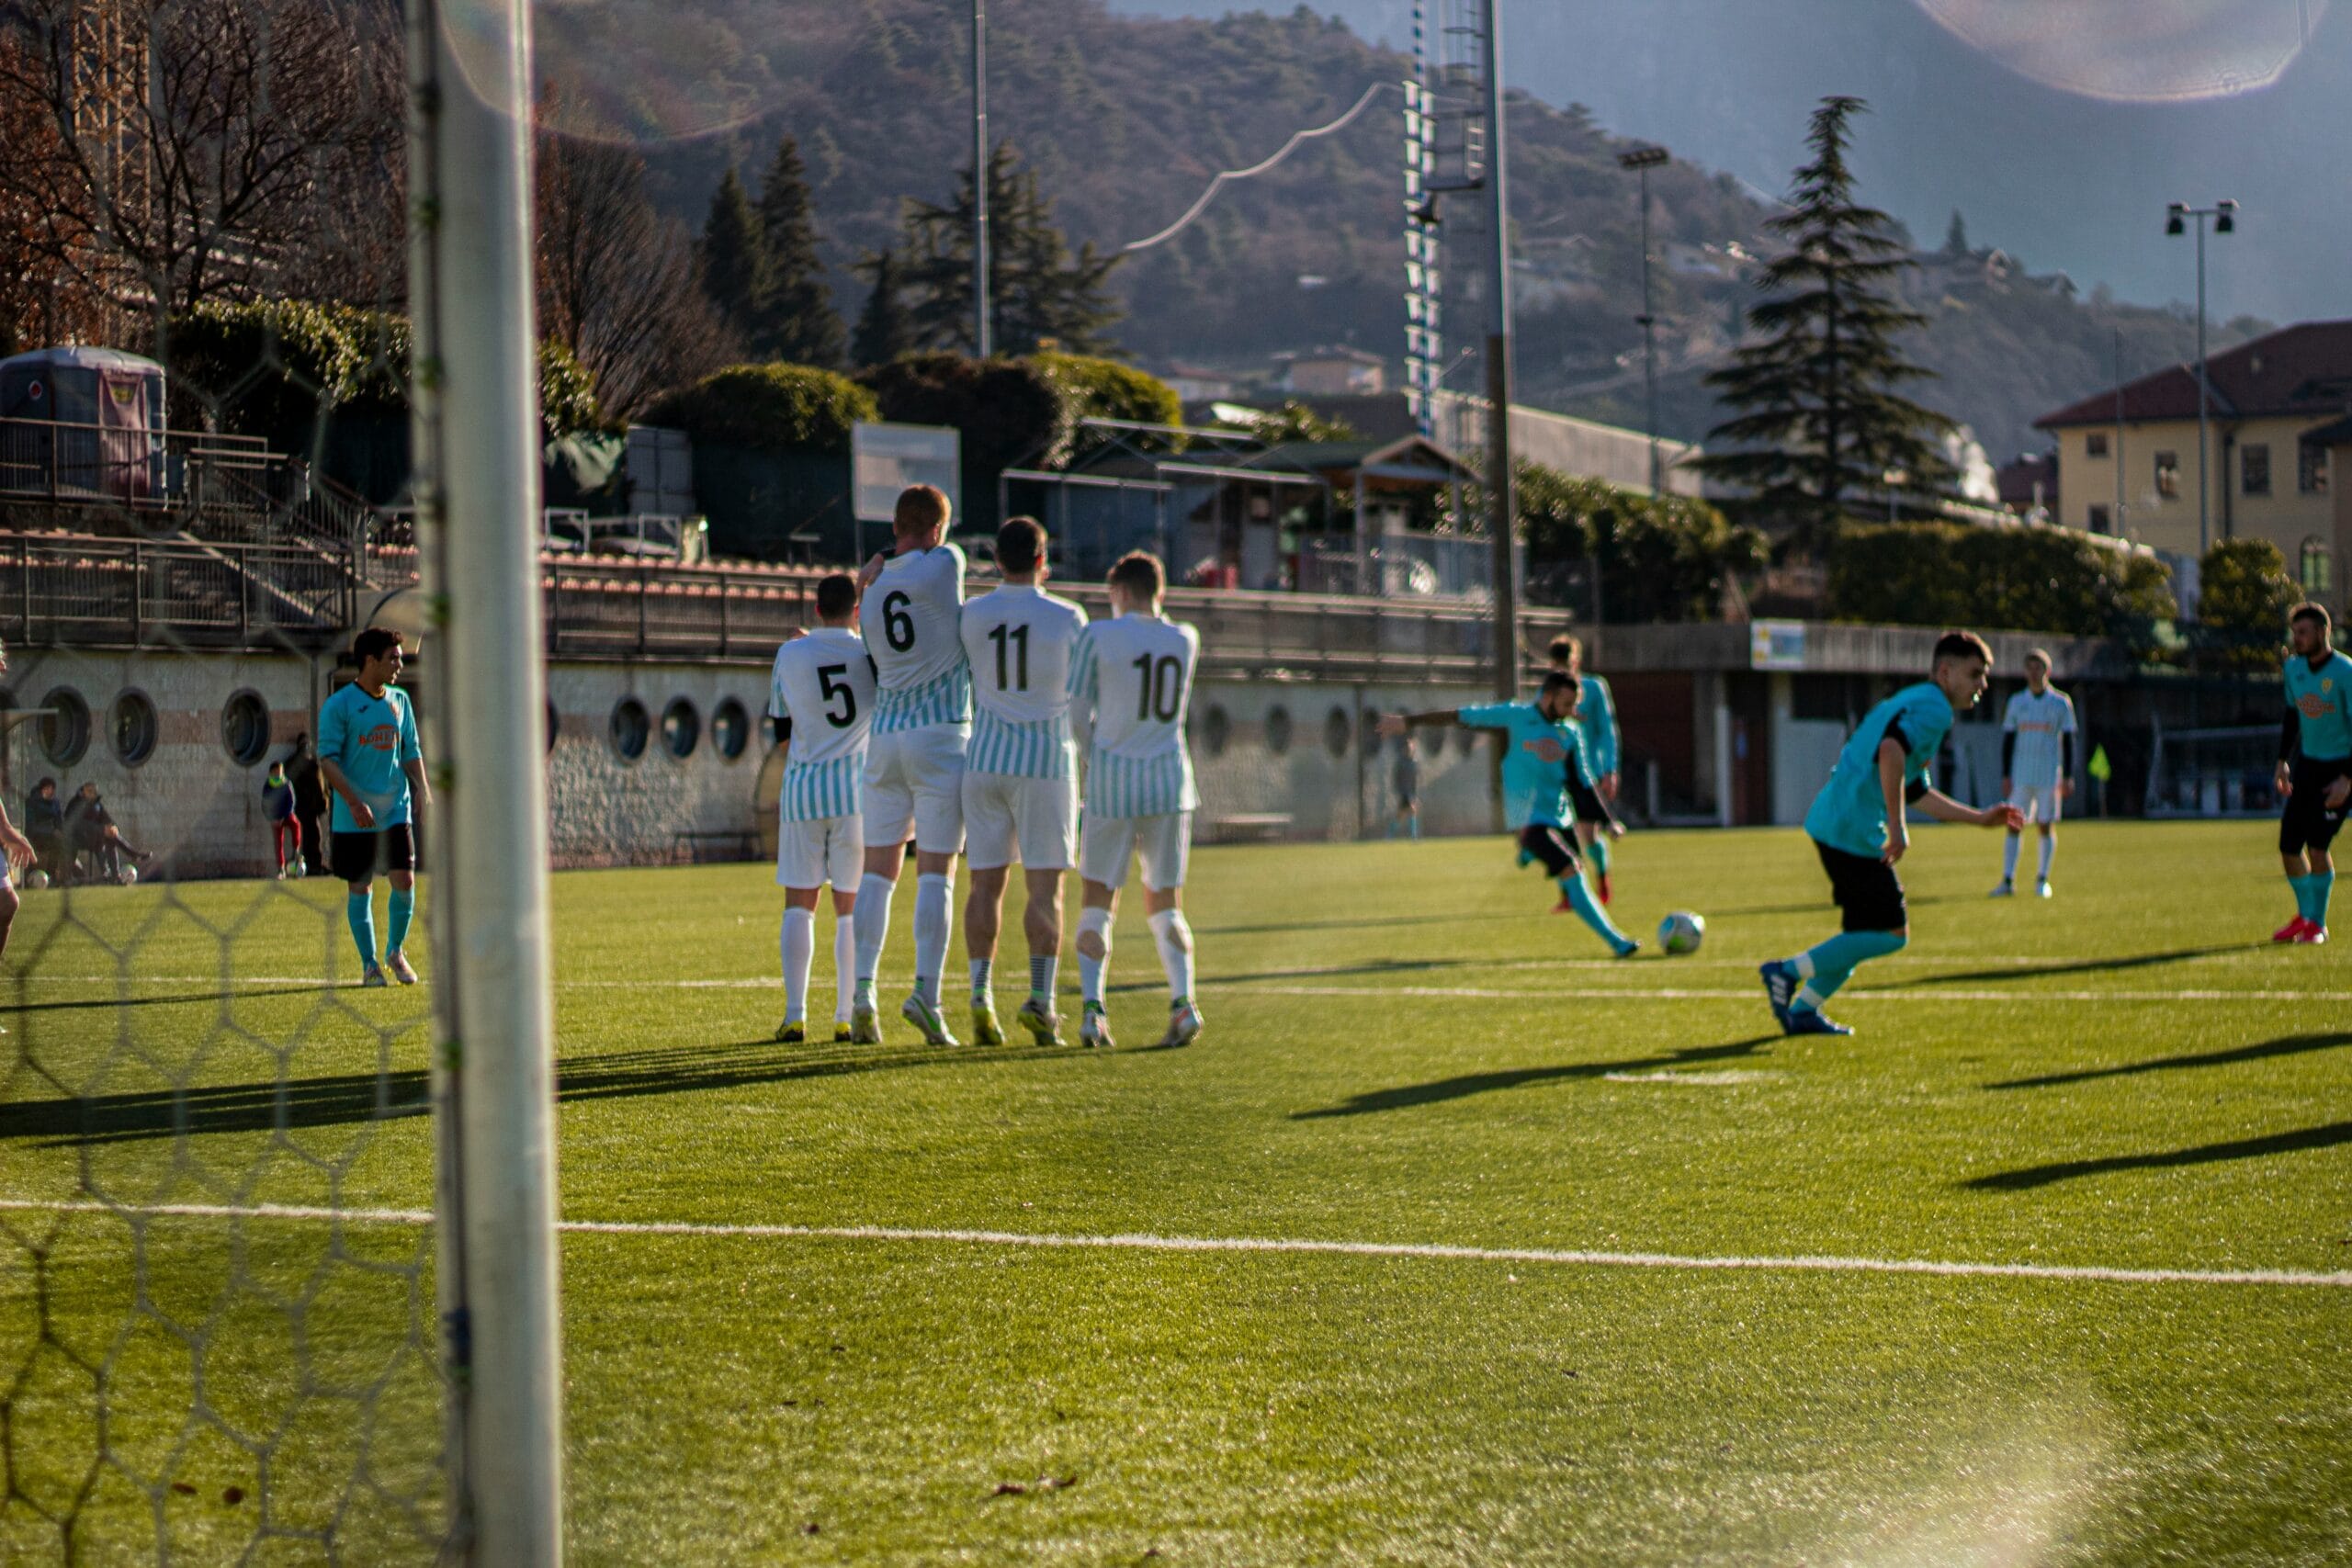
(1641, 160)
(1502, 500)
(2224, 215)
(981, 338)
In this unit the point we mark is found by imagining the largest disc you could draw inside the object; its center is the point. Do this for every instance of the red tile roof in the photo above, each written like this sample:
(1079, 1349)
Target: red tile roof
(2303, 369)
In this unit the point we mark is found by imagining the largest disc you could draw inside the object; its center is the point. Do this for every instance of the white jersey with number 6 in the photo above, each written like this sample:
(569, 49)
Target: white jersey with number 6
(1134, 675)
(1018, 640)
(824, 683)
(911, 617)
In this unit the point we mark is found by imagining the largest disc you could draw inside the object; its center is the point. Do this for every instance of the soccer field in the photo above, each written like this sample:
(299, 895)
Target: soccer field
(1452, 1241)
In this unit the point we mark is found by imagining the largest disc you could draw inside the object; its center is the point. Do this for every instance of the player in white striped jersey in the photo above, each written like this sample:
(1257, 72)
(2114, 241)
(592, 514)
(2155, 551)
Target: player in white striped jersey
(2037, 767)
(914, 762)
(821, 699)
(1020, 773)
(1132, 676)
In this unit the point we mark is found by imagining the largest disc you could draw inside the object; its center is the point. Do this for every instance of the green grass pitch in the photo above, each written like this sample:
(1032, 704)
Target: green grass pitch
(1403, 1048)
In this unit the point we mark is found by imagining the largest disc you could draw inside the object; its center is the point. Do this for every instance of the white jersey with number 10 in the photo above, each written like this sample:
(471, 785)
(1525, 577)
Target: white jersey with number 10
(1135, 676)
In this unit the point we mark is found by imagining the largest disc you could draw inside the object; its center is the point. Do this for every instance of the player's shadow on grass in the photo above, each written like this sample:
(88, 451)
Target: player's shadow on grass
(1418, 922)
(1405, 1097)
(2332, 1135)
(2287, 1045)
(2085, 966)
(342, 1099)
(184, 999)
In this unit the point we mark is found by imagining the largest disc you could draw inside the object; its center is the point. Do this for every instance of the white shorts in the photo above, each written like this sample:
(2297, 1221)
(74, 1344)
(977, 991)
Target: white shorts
(914, 781)
(2039, 802)
(820, 850)
(1164, 842)
(1032, 821)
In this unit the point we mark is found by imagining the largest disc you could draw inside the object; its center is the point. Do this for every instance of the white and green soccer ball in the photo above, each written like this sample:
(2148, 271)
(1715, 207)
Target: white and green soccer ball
(37, 879)
(128, 874)
(1681, 932)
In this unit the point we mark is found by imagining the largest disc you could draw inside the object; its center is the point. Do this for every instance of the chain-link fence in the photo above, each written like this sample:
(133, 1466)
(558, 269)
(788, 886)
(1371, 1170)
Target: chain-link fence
(235, 1321)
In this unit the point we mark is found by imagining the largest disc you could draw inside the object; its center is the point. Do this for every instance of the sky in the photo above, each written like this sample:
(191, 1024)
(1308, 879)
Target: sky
(2063, 178)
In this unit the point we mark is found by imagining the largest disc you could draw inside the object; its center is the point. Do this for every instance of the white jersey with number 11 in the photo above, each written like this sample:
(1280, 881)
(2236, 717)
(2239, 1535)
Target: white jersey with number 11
(1133, 674)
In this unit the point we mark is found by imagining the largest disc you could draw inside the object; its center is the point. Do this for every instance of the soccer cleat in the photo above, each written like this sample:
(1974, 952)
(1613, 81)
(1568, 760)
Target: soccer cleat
(2042, 890)
(1813, 1020)
(401, 970)
(1605, 891)
(2291, 931)
(1564, 906)
(1184, 1024)
(1094, 1029)
(791, 1031)
(2311, 935)
(2004, 891)
(1630, 949)
(1780, 986)
(865, 1025)
(373, 977)
(925, 1018)
(841, 1034)
(986, 1030)
(1044, 1026)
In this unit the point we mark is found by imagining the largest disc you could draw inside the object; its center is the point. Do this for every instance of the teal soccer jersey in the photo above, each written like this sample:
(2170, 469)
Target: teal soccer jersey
(2321, 699)
(369, 739)
(1535, 787)
(1597, 720)
(1849, 813)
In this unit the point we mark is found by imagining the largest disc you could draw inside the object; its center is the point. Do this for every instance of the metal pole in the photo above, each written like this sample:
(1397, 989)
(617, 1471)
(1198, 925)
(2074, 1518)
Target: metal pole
(2204, 487)
(1650, 342)
(477, 484)
(983, 339)
(2120, 532)
(1502, 510)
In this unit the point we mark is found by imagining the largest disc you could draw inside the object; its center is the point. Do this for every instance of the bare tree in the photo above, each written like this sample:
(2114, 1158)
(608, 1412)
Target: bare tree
(617, 282)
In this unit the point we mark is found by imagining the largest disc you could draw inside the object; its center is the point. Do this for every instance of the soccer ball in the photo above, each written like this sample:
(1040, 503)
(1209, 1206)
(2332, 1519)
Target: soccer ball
(130, 874)
(296, 869)
(37, 879)
(1682, 931)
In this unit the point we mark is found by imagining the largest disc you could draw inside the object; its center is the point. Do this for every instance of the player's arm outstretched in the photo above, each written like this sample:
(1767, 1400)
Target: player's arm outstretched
(1931, 802)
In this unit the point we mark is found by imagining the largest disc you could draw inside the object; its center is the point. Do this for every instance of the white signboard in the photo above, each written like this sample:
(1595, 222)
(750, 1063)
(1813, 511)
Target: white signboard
(887, 458)
(1776, 645)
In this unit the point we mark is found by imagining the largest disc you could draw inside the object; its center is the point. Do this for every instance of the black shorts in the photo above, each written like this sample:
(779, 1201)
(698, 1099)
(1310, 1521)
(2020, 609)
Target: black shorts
(357, 857)
(1866, 888)
(1590, 812)
(1554, 847)
(2307, 823)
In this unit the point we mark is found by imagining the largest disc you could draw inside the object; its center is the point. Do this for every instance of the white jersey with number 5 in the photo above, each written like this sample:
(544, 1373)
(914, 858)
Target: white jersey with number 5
(1134, 675)
(911, 617)
(824, 683)
(1018, 640)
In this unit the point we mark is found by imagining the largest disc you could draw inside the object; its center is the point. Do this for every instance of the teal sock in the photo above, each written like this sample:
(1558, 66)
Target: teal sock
(360, 910)
(1831, 965)
(402, 910)
(2301, 887)
(1589, 911)
(2322, 886)
(1598, 852)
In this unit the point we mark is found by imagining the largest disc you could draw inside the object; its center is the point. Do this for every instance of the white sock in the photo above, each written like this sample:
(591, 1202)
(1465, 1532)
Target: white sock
(2049, 853)
(983, 973)
(1043, 974)
(1090, 970)
(935, 923)
(1175, 939)
(2010, 858)
(799, 942)
(844, 965)
(872, 917)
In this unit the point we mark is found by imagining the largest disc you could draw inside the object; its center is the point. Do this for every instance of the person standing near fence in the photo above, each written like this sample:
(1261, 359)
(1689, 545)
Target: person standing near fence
(277, 799)
(371, 757)
(820, 701)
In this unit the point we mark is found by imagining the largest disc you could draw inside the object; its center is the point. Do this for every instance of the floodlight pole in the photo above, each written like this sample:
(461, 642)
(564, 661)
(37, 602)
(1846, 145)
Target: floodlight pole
(1641, 160)
(1502, 506)
(476, 479)
(983, 338)
(2224, 215)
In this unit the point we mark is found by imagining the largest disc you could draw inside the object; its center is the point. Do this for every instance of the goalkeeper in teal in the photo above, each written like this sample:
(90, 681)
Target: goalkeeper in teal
(2314, 775)
(1856, 826)
(1540, 736)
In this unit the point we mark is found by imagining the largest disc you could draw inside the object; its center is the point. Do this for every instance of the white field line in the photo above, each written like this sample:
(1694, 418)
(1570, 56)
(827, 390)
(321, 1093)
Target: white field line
(1148, 1242)
(1671, 994)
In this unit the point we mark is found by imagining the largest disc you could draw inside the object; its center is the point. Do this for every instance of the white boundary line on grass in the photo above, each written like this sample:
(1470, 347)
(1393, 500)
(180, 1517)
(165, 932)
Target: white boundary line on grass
(1147, 1243)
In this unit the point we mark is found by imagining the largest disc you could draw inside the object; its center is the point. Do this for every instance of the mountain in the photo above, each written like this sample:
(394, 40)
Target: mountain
(1127, 119)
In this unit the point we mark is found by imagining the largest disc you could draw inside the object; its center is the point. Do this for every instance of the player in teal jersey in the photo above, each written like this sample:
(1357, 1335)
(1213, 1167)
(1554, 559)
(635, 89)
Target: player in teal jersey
(1539, 739)
(2314, 774)
(1857, 825)
(370, 758)
(1592, 784)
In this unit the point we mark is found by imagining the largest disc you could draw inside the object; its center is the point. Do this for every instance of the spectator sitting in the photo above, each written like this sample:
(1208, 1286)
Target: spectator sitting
(90, 830)
(277, 799)
(45, 825)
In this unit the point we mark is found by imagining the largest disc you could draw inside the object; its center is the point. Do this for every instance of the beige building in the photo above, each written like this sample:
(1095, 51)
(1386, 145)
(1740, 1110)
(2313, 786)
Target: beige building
(2279, 450)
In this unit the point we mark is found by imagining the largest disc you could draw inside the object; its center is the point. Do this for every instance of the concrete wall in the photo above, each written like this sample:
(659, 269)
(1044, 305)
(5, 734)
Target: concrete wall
(606, 809)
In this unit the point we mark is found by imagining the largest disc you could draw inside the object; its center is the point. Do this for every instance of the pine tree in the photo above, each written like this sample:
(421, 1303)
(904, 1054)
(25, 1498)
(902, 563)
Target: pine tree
(1037, 290)
(795, 319)
(1956, 237)
(885, 328)
(735, 257)
(1819, 412)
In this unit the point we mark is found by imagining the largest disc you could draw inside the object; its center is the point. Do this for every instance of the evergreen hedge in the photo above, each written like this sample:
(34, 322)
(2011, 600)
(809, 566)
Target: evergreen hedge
(768, 408)
(2022, 578)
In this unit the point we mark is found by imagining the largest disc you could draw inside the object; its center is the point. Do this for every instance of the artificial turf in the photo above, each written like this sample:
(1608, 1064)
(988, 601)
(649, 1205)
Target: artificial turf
(1403, 1047)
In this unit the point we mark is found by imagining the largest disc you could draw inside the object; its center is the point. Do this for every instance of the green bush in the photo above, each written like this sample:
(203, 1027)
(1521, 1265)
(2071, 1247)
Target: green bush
(768, 408)
(2022, 579)
(1012, 413)
(1105, 388)
(1661, 558)
(2243, 593)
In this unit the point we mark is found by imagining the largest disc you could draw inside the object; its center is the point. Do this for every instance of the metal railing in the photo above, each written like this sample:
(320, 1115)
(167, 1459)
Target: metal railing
(90, 593)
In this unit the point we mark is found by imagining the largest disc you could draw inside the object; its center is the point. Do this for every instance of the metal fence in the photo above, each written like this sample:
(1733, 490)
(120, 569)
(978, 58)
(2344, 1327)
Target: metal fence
(93, 592)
